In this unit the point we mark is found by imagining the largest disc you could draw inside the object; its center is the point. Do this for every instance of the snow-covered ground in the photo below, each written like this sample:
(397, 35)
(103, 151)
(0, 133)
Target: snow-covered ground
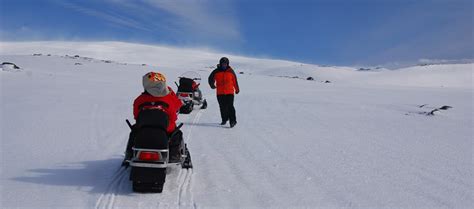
(361, 141)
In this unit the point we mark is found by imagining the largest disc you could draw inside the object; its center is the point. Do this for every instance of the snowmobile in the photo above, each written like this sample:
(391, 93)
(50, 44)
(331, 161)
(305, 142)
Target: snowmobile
(151, 151)
(189, 92)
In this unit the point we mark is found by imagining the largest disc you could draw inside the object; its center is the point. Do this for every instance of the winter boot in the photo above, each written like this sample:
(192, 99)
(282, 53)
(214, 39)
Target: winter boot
(130, 143)
(128, 157)
(232, 124)
(174, 147)
(223, 122)
(175, 156)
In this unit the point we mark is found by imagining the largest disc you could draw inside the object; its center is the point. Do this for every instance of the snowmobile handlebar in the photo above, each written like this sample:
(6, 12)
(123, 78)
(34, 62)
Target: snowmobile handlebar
(129, 124)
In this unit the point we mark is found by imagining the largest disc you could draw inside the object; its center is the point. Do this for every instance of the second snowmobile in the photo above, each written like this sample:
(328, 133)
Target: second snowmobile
(189, 92)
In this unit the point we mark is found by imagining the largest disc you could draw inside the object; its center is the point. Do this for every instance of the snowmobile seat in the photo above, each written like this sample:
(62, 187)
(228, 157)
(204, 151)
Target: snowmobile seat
(151, 138)
(151, 129)
(152, 115)
(185, 85)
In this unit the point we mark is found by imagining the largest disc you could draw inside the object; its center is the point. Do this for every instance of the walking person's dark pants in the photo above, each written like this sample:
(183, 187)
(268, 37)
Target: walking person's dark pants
(226, 105)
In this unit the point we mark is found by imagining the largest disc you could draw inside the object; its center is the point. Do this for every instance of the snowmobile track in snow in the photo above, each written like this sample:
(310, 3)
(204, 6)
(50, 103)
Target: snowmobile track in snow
(177, 193)
(185, 185)
(107, 199)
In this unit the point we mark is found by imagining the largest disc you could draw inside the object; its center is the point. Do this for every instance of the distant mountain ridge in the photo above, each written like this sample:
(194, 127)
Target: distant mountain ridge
(442, 73)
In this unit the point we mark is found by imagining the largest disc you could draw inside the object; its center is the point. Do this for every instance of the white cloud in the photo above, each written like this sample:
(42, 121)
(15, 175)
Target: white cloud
(425, 29)
(187, 20)
(195, 22)
(203, 17)
(111, 18)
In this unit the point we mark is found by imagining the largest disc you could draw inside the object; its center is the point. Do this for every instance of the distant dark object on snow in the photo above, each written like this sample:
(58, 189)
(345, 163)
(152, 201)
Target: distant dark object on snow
(241, 72)
(422, 105)
(107, 61)
(37, 54)
(143, 64)
(444, 107)
(295, 77)
(77, 63)
(14, 66)
(49, 55)
(327, 81)
(8, 66)
(432, 112)
(310, 78)
(76, 56)
(364, 69)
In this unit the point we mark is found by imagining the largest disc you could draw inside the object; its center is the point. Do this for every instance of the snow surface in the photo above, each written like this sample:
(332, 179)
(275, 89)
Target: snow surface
(361, 141)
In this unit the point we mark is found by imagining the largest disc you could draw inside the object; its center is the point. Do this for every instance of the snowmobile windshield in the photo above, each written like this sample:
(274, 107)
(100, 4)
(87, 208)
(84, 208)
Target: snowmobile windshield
(191, 75)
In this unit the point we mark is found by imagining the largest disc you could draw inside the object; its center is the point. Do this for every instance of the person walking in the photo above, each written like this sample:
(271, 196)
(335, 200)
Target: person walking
(224, 80)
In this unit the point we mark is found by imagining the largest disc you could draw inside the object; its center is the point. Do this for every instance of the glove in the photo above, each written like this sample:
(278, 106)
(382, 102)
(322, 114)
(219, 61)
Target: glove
(213, 87)
(237, 91)
(134, 127)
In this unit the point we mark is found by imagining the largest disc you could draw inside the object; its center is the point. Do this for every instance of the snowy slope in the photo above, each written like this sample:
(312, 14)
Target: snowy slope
(361, 141)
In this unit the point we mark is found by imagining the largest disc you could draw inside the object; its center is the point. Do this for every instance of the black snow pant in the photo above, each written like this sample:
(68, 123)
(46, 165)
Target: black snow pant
(175, 144)
(226, 105)
(131, 142)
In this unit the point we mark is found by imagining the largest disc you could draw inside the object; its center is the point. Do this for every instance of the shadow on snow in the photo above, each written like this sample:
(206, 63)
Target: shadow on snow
(98, 175)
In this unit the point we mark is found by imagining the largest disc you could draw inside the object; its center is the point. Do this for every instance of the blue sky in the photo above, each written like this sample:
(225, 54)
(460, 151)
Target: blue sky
(334, 32)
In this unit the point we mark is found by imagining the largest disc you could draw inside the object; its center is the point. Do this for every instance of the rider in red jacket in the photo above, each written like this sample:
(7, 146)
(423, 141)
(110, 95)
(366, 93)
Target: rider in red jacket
(156, 90)
(146, 99)
(157, 95)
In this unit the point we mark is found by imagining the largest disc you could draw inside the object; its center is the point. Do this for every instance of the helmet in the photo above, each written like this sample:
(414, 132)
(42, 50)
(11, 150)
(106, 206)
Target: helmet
(224, 60)
(155, 84)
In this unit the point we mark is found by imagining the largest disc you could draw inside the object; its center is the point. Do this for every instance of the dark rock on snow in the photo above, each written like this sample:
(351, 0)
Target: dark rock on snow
(445, 107)
(12, 64)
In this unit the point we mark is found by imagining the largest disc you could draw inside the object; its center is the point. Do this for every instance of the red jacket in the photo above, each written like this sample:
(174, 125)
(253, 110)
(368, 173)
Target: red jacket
(225, 81)
(173, 106)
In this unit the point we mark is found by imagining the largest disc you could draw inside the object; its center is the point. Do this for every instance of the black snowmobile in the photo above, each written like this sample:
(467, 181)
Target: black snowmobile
(151, 151)
(189, 92)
